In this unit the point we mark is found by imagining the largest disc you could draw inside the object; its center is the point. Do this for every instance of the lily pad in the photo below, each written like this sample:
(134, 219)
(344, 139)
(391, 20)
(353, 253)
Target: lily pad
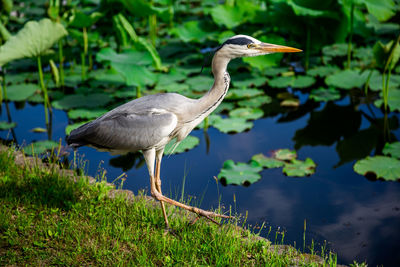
(224, 106)
(285, 154)
(267, 162)
(335, 50)
(299, 168)
(324, 94)
(21, 92)
(85, 113)
(73, 126)
(186, 144)
(228, 16)
(190, 32)
(290, 103)
(347, 79)
(32, 40)
(82, 101)
(383, 167)
(246, 113)
(392, 149)
(281, 82)
(265, 62)
(231, 125)
(255, 102)
(303, 82)
(393, 100)
(240, 173)
(4, 125)
(243, 93)
(200, 83)
(257, 81)
(275, 71)
(40, 147)
(375, 83)
(323, 71)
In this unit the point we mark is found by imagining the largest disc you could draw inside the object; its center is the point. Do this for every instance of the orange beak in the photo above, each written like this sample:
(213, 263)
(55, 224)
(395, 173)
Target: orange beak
(272, 48)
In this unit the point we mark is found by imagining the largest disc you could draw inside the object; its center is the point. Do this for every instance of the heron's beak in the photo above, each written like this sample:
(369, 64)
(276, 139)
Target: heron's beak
(272, 48)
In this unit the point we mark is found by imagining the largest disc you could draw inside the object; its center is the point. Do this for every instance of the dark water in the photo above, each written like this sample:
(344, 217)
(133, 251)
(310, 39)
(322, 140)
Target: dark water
(358, 218)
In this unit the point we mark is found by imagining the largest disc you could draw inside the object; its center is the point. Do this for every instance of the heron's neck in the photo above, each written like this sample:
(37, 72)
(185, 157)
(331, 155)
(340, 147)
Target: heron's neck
(210, 101)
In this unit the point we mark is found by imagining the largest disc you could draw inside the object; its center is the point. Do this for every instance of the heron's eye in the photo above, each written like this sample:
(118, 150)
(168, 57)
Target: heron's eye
(251, 45)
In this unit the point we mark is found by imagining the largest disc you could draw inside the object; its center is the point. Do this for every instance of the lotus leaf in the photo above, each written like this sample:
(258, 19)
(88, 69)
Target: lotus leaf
(21, 92)
(243, 93)
(7, 125)
(173, 76)
(347, 79)
(200, 83)
(291, 102)
(36, 98)
(173, 87)
(224, 106)
(274, 71)
(191, 32)
(323, 71)
(281, 82)
(303, 82)
(335, 50)
(74, 126)
(186, 144)
(127, 92)
(223, 36)
(227, 16)
(82, 101)
(38, 130)
(246, 113)
(375, 83)
(324, 94)
(231, 125)
(255, 102)
(135, 74)
(267, 162)
(40, 147)
(285, 154)
(240, 173)
(85, 113)
(382, 10)
(81, 20)
(383, 167)
(262, 63)
(299, 168)
(393, 100)
(245, 83)
(392, 149)
(128, 56)
(32, 40)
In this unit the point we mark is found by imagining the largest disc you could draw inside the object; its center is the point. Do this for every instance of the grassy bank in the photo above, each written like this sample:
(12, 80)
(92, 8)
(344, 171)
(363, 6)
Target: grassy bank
(48, 218)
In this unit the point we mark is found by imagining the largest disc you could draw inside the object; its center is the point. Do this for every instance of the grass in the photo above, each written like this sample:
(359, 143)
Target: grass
(47, 218)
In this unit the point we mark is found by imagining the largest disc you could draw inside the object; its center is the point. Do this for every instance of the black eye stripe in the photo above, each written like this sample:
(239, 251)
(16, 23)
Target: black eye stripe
(238, 41)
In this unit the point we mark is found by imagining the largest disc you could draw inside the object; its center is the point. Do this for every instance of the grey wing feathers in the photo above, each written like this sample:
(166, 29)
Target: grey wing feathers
(125, 131)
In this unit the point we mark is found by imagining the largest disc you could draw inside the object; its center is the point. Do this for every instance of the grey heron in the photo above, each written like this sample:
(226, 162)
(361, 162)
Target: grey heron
(148, 123)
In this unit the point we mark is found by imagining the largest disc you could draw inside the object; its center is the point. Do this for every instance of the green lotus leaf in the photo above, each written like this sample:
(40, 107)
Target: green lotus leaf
(290, 103)
(285, 154)
(264, 62)
(324, 94)
(383, 167)
(267, 162)
(73, 126)
(224, 106)
(231, 125)
(4, 125)
(245, 83)
(240, 173)
(322, 71)
(82, 101)
(299, 168)
(38, 130)
(375, 83)
(173, 87)
(393, 100)
(227, 16)
(281, 82)
(200, 83)
(255, 102)
(246, 113)
(40, 147)
(36, 98)
(135, 74)
(172, 77)
(347, 79)
(33, 40)
(335, 50)
(190, 32)
(243, 93)
(127, 92)
(22, 91)
(128, 56)
(275, 71)
(392, 149)
(186, 144)
(85, 113)
(303, 82)
(382, 10)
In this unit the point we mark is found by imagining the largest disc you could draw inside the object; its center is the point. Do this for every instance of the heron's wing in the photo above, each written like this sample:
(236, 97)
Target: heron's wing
(126, 131)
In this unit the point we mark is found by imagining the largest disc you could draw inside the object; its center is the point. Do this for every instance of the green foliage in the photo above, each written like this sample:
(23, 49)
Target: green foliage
(347, 79)
(299, 168)
(267, 162)
(285, 154)
(4, 125)
(393, 100)
(240, 173)
(21, 92)
(392, 149)
(190, 32)
(231, 125)
(324, 94)
(246, 113)
(40, 147)
(383, 167)
(82, 101)
(85, 113)
(186, 144)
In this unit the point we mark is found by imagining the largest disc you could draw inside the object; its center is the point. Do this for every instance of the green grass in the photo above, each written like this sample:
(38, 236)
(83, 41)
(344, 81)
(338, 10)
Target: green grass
(48, 219)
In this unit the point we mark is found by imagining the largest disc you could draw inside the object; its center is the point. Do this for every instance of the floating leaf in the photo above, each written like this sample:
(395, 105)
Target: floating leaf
(85, 113)
(4, 125)
(255, 102)
(299, 168)
(74, 126)
(335, 50)
(21, 92)
(40, 147)
(322, 71)
(82, 101)
(392, 149)
(275, 71)
(232, 125)
(303, 82)
(246, 113)
(190, 32)
(200, 83)
(290, 103)
(224, 106)
(375, 83)
(267, 162)
(39, 130)
(347, 79)
(324, 94)
(240, 173)
(383, 167)
(228, 16)
(243, 93)
(281, 82)
(32, 40)
(285, 154)
(393, 100)
(245, 83)
(186, 144)
(264, 62)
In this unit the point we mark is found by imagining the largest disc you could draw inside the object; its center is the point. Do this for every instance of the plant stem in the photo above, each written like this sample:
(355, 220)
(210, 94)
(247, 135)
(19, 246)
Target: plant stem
(138, 92)
(85, 51)
(61, 60)
(44, 90)
(153, 29)
(349, 47)
(308, 44)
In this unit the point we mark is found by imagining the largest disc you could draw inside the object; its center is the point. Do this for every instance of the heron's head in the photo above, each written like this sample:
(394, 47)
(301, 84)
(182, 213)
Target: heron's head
(247, 46)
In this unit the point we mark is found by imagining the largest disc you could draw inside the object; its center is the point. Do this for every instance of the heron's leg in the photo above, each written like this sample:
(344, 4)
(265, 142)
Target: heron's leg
(158, 183)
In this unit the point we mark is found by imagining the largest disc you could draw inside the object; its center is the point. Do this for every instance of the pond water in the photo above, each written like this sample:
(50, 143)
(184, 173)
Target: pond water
(358, 218)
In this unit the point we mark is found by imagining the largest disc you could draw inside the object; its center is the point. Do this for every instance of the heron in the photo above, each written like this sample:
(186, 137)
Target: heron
(149, 123)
